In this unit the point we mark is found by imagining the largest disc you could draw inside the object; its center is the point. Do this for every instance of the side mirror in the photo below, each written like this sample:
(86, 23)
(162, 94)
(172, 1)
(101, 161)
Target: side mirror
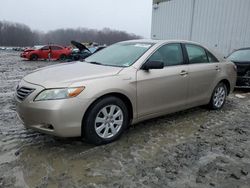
(153, 65)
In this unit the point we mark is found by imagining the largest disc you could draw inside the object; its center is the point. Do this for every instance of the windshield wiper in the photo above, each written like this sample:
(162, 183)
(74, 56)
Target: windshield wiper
(96, 63)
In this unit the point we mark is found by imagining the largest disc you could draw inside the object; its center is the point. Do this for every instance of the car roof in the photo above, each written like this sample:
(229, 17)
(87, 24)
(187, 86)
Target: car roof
(161, 41)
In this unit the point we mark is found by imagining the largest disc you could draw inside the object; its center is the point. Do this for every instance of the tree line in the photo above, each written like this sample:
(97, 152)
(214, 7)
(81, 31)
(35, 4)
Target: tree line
(16, 34)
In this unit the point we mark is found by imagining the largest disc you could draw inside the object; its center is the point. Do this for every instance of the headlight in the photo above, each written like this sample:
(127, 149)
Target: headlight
(62, 93)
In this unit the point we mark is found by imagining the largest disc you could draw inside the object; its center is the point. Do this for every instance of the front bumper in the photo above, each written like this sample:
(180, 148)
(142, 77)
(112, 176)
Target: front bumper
(243, 82)
(61, 118)
(23, 55)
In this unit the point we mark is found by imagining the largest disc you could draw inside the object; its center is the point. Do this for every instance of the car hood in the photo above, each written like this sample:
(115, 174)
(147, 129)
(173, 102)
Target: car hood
(63, 75)
(80, 46)
(29, 50)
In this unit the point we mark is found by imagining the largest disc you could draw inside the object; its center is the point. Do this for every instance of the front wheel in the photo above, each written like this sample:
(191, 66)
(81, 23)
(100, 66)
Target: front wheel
(105, 121)
(34, 57)
(218, 98)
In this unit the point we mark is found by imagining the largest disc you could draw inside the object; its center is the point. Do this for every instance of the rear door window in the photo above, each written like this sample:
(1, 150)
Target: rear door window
(196, 54)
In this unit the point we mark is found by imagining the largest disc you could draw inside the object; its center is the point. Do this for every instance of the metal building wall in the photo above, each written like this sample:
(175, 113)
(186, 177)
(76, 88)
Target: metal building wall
(172, 19)
(223, 25)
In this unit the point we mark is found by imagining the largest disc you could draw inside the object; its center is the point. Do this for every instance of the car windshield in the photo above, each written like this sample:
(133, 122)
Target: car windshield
(38, 47)
(240, 55)
(120, 54)
(92, 49)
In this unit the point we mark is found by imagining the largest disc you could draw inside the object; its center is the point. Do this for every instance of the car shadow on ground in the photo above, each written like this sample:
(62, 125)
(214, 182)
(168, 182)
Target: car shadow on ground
(182, 123)
(242, 90)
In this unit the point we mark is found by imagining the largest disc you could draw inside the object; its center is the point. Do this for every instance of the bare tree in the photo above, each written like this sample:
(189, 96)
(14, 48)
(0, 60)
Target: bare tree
(15, 34)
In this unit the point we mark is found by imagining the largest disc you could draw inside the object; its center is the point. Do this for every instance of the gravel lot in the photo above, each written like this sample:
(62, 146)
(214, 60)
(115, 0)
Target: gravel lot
(193, 148)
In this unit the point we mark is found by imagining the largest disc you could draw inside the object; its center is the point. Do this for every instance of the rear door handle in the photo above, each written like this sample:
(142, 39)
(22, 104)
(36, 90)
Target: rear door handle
(183, 73)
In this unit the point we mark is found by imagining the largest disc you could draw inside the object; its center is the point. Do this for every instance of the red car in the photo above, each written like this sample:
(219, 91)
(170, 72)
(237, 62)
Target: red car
(54, 52)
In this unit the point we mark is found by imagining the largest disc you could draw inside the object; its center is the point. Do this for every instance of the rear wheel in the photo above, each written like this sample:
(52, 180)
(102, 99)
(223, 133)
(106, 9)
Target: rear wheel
(34, 57)
(218, 98)
(105, 121)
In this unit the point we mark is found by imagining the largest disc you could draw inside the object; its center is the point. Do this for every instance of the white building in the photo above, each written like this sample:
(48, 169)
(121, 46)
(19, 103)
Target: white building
(223, 25)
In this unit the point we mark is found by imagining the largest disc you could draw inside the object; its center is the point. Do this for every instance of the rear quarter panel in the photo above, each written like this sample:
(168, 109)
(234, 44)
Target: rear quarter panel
(229, 72)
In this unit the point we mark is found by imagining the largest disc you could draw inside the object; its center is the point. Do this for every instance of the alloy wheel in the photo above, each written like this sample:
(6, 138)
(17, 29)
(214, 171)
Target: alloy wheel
(219, 96)
(109, 121)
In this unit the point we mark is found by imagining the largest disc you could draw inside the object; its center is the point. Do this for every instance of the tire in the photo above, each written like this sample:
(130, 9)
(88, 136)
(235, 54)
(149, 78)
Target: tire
(34, 57)
(62, 57)
(219, 96)
(98, 128)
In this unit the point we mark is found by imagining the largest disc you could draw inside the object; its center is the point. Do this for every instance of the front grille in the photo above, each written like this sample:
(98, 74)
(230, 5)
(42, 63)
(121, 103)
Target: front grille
(23, 92)
(242, 69)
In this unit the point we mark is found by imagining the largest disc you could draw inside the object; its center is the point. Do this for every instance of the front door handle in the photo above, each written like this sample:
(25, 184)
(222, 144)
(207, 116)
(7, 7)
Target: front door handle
(183, 73)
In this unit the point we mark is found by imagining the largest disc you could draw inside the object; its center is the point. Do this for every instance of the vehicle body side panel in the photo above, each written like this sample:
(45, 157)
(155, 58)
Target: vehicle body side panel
(203, 78)
(163, 90)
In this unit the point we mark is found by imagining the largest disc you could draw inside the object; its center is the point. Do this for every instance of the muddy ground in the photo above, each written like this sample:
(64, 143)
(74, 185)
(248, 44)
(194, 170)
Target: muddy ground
(193, 148)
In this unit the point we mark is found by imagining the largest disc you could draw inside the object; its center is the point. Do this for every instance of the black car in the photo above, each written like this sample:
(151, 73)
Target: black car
(241, 58)
(82, 51)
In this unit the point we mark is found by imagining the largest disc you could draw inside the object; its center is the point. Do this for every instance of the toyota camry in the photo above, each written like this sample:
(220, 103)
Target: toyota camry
(124, 84)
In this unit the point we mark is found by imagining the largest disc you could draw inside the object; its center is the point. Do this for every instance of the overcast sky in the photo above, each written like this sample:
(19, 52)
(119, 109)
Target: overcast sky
(133, 16)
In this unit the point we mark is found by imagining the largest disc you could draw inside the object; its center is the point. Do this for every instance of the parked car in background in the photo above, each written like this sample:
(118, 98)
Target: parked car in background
(42, 52)
(241, 58)
(81, 51)
(18, 48)
(125, 83)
